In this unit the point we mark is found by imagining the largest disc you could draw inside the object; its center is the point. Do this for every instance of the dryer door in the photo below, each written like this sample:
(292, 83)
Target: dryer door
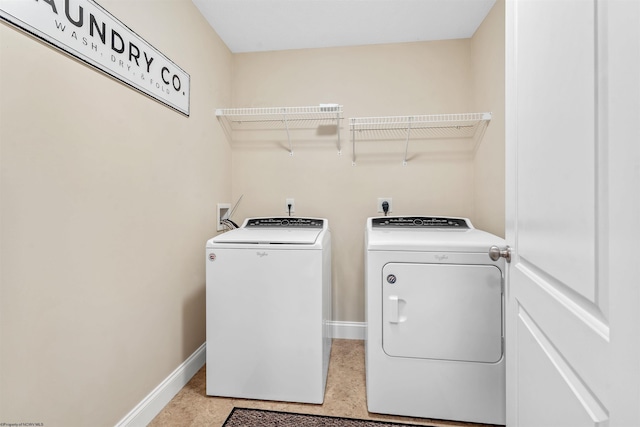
(442, 311)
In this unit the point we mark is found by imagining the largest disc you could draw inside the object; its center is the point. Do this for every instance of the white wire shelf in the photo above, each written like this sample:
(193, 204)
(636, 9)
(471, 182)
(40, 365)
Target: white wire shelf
(287, 117)
(464, 125)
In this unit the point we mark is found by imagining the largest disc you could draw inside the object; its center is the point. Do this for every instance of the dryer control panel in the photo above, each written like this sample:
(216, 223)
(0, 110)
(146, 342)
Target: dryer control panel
(289, 222)
(419, 222)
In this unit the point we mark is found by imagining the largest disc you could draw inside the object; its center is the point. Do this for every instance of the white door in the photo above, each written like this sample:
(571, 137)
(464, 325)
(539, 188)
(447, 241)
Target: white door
(573, 212)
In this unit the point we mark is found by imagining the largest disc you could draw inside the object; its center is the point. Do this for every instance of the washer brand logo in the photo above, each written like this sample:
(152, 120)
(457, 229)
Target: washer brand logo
(212, 257)
(261, 254)
(441, 257)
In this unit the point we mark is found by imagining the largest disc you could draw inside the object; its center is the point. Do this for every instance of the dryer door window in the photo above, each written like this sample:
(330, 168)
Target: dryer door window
(442, 311)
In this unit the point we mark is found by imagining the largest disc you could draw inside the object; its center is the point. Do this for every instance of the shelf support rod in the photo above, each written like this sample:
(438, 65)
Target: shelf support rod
(338, 131)
(406, 145)
(286, 124)
(353, 144)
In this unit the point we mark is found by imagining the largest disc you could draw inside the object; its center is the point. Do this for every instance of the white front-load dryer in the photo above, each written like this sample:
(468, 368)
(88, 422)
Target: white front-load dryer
(268, 303)
(435, 320)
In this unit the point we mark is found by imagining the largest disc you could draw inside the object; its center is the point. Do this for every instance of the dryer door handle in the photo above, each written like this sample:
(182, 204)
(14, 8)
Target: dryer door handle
(392, 309)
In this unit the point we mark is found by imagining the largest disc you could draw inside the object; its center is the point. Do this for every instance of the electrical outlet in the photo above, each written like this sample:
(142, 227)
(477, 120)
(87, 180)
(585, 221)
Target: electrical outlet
(223, 213)
(381, 200)
(291, 202)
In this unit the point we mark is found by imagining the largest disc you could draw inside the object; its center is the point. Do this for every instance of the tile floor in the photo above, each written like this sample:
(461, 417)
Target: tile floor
(344, 397)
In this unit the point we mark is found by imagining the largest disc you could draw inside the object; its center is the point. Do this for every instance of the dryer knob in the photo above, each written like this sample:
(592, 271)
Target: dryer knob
(391, 278)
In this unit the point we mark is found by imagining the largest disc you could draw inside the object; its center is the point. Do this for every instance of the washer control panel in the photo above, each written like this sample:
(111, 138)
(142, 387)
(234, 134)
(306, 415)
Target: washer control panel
(290, 222)
(418, 222)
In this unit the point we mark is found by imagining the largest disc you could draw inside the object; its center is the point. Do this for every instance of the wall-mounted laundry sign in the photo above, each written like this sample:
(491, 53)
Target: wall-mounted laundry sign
(84, 29)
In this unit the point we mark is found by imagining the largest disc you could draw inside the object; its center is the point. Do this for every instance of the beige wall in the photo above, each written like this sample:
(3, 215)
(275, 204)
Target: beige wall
(107, 198)
(487, 48)
(398, 79)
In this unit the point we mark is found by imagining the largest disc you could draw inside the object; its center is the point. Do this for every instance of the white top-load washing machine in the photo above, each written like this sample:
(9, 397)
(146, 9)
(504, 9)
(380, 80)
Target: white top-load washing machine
(268, 297)
(435, 320)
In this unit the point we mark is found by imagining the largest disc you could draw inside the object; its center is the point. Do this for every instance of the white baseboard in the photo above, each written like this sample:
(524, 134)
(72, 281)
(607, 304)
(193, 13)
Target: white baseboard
(151, 405)
(348, 330)
(155, 401)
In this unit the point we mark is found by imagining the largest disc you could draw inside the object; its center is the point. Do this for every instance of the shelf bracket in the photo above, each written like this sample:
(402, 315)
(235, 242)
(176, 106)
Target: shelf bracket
(406, 144)
(286, 125)
(338, 131)
(353, 145)
(480, 134)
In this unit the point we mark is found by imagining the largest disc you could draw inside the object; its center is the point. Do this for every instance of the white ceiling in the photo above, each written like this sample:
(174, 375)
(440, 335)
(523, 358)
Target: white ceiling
(265, 25)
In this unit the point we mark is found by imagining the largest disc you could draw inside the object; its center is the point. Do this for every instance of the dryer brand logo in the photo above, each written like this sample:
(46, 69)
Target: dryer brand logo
(441, 257)
(262, 254)
(212, 257)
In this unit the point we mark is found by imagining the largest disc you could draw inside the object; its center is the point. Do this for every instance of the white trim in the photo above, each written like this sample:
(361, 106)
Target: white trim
(150, 406)
(348, 330)
(155, 401)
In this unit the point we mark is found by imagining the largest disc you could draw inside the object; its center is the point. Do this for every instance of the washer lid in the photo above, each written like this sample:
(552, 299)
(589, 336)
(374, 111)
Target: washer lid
(276, 231)
(270, 236)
